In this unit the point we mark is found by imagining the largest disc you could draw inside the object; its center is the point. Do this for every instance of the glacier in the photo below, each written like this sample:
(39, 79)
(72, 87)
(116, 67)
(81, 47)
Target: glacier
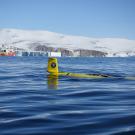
(30, 39)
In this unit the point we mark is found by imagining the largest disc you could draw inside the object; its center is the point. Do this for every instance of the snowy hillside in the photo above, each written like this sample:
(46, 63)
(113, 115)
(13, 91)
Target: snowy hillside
(29, 39)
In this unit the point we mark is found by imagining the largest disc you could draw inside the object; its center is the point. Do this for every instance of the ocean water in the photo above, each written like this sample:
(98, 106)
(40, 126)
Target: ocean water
(31, 103)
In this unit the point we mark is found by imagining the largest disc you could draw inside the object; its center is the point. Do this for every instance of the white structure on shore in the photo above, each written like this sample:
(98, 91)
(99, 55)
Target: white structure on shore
(54, 54)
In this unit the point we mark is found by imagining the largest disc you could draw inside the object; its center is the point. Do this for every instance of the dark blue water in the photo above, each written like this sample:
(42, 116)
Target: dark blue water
(33, 104)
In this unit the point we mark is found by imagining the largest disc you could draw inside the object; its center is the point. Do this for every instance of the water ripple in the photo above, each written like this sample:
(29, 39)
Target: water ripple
(30, 105)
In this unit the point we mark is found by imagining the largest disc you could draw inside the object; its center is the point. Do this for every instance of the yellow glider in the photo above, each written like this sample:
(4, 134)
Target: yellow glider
(54, 70)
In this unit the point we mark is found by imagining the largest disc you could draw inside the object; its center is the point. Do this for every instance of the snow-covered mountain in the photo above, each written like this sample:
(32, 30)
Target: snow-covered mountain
(29, 39)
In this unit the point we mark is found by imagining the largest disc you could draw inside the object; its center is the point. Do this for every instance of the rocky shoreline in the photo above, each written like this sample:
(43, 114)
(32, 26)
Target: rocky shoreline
(67, 52)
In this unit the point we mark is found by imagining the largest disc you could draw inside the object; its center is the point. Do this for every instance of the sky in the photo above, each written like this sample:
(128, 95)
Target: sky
(91, 18)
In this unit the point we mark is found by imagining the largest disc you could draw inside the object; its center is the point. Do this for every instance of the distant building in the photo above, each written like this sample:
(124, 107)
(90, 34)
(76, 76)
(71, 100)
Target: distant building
(54, 54)
(76, 53)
